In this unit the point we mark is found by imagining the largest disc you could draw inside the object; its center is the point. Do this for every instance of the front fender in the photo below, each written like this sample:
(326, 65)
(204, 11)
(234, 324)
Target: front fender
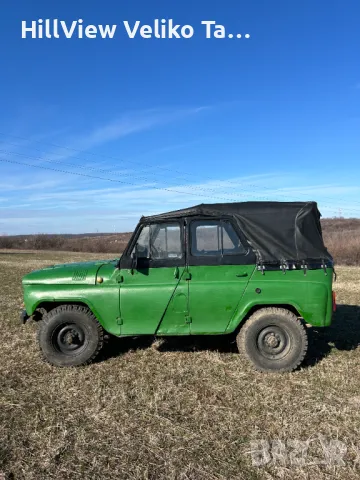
(102, 300)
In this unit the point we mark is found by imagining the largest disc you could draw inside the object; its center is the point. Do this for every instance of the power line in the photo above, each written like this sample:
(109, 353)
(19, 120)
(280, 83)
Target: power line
(86, 160)
(43, 159)
(98, 155)
(195, 187)
(4, 160)
(124, 174)
(236, 184)
(112, 172)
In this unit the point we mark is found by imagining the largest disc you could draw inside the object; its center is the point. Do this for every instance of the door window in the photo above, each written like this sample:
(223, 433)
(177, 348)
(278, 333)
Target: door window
(215, 238)
(143, 250)
(160, 241)
(166, 241)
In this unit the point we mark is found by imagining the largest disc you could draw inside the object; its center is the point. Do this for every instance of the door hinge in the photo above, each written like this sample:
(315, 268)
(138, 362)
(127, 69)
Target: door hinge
(187, 276)
(119, 321)
(119, 278)
(188, 319)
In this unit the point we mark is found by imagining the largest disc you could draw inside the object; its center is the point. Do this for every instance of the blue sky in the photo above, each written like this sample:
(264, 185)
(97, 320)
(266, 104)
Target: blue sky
(175, 122)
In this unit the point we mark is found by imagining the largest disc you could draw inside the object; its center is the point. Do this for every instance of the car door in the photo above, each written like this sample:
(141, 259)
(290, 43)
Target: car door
(220, 264)
(148, 290)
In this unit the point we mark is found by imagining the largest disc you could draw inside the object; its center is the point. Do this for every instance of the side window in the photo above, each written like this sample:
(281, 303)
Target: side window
(160, 241)
(166, 241)
(143, 242)
(215, 238)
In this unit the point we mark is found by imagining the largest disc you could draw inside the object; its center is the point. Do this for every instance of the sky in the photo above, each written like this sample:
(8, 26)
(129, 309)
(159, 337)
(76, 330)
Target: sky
(96, 132)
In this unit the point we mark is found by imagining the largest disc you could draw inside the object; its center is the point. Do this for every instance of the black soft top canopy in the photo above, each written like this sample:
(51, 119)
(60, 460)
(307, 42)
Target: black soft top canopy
(277, 231)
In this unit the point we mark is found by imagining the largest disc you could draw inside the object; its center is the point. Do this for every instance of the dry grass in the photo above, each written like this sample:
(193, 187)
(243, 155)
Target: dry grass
(171, 410)
(106, 243)
(342, 238)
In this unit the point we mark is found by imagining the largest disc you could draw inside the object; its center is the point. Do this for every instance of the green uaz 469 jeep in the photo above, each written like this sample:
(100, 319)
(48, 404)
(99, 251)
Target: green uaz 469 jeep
(256, 270)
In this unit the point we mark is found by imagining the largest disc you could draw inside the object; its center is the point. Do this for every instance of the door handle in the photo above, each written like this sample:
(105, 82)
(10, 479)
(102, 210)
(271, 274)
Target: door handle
(242, 274)
(176, 272)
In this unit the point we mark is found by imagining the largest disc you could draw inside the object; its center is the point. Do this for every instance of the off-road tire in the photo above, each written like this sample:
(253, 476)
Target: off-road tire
(273, 340)
(79, 324)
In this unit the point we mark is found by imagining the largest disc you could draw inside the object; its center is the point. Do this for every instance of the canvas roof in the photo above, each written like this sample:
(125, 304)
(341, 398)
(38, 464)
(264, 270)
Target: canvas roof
(277, 231)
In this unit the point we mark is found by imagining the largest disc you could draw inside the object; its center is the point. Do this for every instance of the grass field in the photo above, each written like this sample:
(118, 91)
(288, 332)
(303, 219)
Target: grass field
(174, 409)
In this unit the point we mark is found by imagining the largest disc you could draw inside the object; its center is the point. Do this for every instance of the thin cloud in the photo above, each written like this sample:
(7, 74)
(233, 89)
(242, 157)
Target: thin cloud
(116, 129)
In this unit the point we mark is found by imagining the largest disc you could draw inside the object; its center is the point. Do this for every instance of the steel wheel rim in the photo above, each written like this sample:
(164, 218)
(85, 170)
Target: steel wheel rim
(69, 339)
(273, 342)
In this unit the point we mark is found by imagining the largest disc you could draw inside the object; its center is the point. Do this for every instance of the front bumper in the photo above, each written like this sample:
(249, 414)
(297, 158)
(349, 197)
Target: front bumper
(24, 317)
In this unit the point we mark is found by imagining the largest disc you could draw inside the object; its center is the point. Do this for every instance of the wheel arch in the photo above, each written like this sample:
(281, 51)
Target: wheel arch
(49, 305)
(236, 324)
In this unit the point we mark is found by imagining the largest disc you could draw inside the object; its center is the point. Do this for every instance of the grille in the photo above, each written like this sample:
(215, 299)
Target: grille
(79, 275)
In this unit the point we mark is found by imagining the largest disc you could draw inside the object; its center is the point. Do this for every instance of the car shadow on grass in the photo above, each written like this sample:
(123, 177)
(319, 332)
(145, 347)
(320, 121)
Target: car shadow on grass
(115, 346)
(343, 334)
(195, 343)
(198, 343)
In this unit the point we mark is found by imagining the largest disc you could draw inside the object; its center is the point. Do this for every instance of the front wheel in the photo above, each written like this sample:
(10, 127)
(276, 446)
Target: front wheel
(69, 336)
(273, 339)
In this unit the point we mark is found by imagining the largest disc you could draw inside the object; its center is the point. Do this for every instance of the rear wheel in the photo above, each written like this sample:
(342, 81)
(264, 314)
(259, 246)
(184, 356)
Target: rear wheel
(70, 335)
(273, 339)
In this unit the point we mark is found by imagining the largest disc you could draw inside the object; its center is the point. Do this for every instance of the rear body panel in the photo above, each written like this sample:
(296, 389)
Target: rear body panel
(309, 294)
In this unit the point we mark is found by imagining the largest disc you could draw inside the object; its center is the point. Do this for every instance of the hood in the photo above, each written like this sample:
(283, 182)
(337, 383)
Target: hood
(67, 273)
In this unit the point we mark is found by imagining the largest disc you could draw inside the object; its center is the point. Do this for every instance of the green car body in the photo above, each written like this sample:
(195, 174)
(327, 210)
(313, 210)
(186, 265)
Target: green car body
(195, 300)
(200, 271)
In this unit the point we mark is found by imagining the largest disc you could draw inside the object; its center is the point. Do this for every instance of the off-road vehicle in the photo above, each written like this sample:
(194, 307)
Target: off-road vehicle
(258, 271)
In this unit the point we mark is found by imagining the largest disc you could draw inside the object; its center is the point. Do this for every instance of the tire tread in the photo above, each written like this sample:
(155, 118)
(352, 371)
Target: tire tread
(77, 309)
(291, 317)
